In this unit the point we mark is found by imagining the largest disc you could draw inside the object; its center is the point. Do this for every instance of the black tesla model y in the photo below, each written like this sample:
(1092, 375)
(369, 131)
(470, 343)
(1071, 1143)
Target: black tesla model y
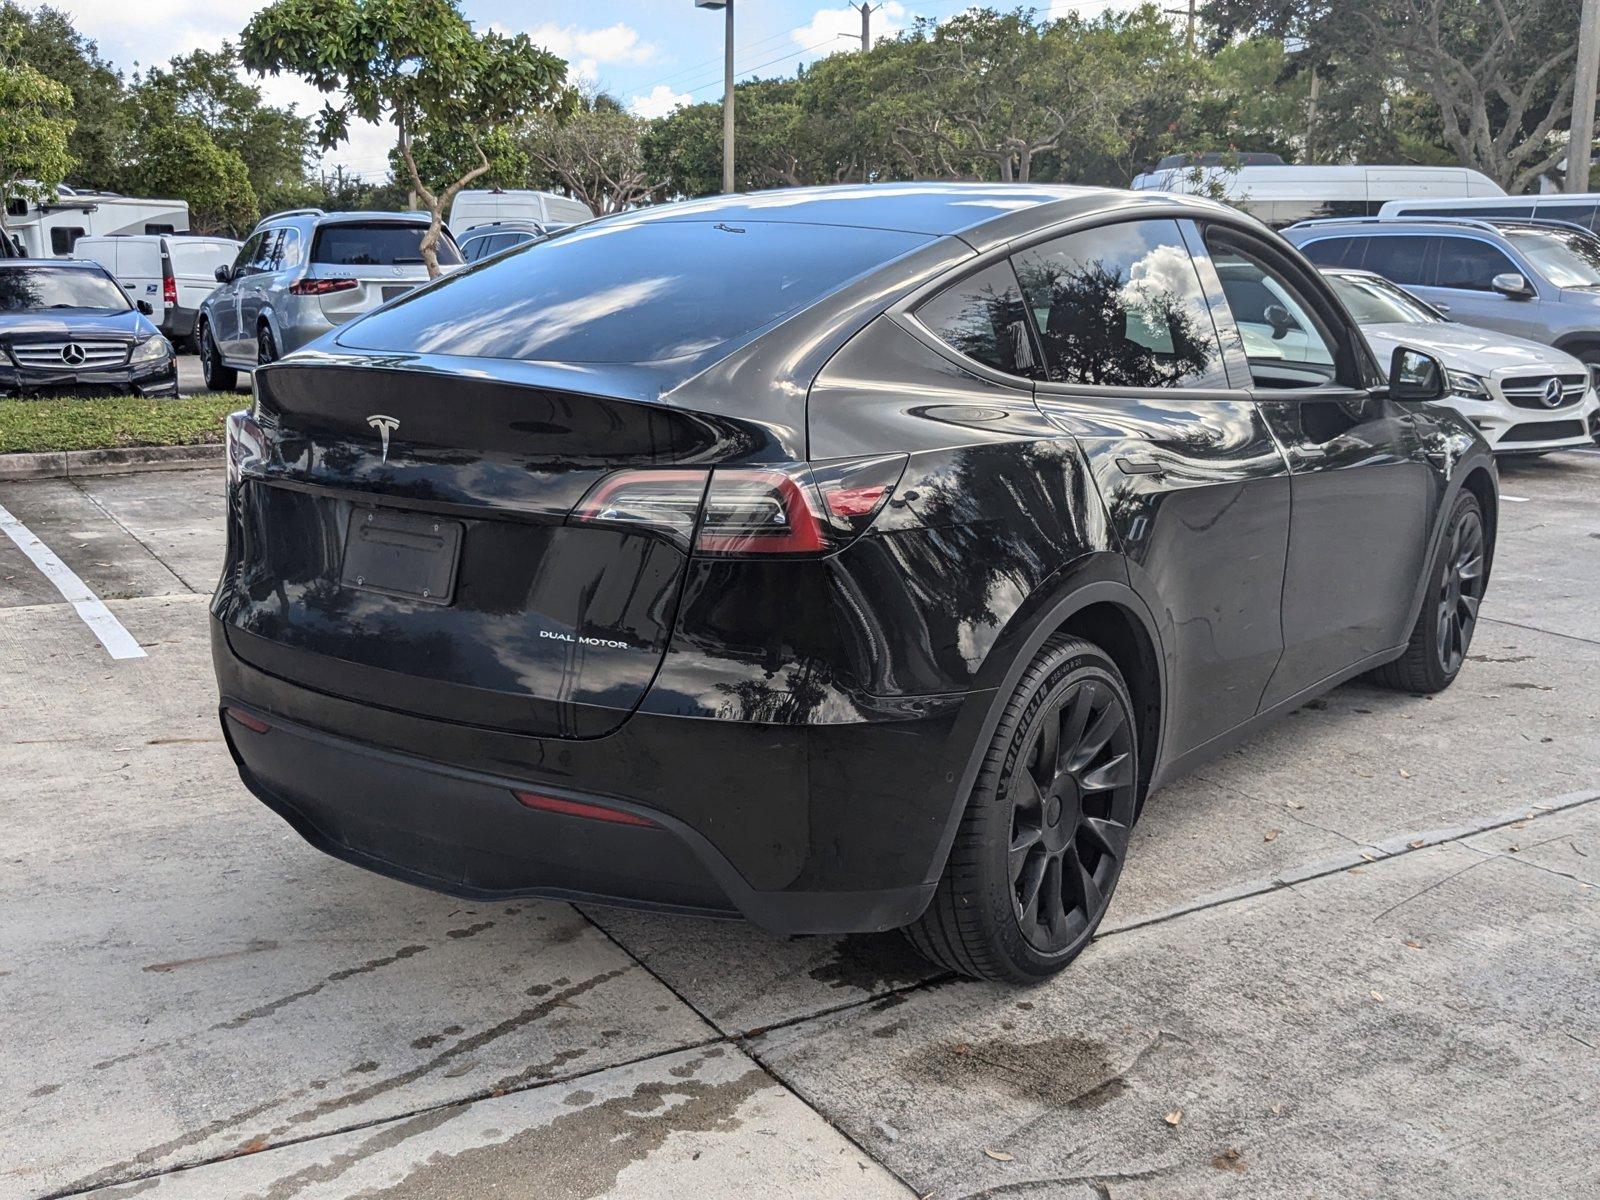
(843, 559)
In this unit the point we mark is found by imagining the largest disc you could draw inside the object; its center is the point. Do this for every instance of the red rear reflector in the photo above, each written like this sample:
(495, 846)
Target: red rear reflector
(321, 287)
(577, 808)
(255, 724)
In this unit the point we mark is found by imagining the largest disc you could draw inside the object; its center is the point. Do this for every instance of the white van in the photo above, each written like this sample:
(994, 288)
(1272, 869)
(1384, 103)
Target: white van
(1283, 195)
(485, 207)
(1577, 208)
(171, 274)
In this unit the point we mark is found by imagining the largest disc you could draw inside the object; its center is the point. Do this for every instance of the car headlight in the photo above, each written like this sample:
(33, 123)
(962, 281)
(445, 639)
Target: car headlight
(152, 350)
(1468, 387)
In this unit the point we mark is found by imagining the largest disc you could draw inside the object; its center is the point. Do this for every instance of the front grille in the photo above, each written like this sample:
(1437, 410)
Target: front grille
(1542, 431)
(1528, 391)
(70, 354)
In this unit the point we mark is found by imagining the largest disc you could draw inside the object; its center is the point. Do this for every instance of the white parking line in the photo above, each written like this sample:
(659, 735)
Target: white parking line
(1514, 499)
(119, 643)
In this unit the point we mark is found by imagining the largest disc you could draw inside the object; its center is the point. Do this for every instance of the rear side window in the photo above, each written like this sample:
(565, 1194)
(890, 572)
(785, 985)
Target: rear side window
(983, 317)
(1468, 264)
(1122, 306)
(1336, 252)
(64, 237)
(378, 244)
(1400, 258)
(634, 292)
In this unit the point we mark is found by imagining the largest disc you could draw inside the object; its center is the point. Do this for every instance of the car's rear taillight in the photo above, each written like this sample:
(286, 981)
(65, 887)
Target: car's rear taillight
(786, 509)
(169, 292)
(322, 287)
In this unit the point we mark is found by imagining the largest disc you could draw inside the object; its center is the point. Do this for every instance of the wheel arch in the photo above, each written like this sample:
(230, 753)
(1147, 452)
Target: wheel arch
(1579, 341)
(1481, 484)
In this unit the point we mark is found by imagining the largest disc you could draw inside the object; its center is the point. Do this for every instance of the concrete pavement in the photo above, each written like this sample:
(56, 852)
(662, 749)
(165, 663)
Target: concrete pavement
(1355, 957)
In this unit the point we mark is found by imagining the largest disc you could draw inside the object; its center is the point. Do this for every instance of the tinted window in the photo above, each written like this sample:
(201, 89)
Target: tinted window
(630, 292)
(982, 316)
(1333, 252)
(1273, 316)
(262, 260)
(1468, 264)
(247, 252)
(64, 237)
(1121, 306)
(388, 244)
(31, 289)
(1400, 257)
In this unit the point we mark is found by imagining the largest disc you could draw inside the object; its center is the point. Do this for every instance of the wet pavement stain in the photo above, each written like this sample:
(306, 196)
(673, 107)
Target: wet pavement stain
(467, 931)
(253, 947)
(872, 962)
(580, 1154)
(386, 1138)
(1059, 1072)
(339, 976)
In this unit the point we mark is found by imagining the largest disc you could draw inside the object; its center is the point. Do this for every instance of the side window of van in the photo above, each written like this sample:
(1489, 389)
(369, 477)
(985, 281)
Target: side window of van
(64, 237)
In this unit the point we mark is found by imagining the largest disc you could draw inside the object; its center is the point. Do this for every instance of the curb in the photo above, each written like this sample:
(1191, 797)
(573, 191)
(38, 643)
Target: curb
(55, 464)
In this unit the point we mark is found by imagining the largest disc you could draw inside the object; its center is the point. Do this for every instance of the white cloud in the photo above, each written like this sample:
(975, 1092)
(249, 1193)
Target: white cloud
(587, 50)
(830, 27)
(660, 100)
(1088, 8)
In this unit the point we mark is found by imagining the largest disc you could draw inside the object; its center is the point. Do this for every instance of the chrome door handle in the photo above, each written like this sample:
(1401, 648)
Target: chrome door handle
(1139, 466)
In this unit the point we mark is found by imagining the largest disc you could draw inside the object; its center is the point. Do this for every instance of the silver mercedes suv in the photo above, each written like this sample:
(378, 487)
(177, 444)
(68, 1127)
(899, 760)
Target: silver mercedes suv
(303, 272)
(1534, 279)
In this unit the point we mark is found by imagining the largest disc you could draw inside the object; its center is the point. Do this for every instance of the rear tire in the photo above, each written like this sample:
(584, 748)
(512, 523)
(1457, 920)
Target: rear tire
(1046, 830)
(1443, 632)
(266, 346)
(219, 378)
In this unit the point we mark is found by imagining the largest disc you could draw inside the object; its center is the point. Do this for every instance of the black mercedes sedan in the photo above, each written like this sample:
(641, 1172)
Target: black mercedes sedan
(66, 328)
(845, 559)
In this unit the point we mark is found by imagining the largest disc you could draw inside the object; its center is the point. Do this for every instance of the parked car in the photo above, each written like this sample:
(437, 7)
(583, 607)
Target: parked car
(486, 206)
(1531, 280)
(845, 558)
(302, 273)
(1280, 194)
(1574, 208)
(66, 328)
(1524, 397)
(485, 241)
(173, 274)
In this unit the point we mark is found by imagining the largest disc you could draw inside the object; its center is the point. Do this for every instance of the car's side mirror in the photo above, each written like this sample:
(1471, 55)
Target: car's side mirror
(1280, 319)
(1414, 375)
(144, 307)
(223, 273)
(1511, 284)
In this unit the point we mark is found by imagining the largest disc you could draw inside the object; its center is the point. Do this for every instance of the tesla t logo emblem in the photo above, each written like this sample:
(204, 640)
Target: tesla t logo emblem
(385, 426)
(1552, 392)
(73, 354)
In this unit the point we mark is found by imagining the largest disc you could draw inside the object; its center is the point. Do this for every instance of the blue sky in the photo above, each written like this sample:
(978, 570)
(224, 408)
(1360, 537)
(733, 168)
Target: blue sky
(653, 54)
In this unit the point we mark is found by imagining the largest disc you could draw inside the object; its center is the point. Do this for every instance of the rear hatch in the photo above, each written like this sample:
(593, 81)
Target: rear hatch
(368, 263)
(477, 505)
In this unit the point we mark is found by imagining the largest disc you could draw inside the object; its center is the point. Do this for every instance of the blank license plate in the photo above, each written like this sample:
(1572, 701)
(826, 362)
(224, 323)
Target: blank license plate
(389, 293)
(398, 554)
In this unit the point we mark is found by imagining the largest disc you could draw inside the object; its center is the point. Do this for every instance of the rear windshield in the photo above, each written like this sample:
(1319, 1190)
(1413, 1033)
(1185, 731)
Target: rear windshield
(377, 245)
(631, 292)
(38, 289)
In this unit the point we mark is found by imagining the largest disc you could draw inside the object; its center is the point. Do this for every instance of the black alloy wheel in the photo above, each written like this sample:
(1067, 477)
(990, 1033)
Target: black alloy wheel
(1460, 591)
(266, 348)
(1443, 632)
(1046, 830)
(1072, 808)
(218, 378)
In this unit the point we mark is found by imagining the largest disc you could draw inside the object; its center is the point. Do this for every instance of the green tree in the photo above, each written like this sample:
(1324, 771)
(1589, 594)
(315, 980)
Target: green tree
(595, 154)
(418, 63)
(174, 154)
(35, 129)
(45, 39)
(274, 143)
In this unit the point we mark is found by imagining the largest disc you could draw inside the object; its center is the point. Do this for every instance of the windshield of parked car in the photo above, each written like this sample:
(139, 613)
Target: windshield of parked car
(630, 292)
(39, 289)
(1379, 302)
(391, 244)
(1568, 259)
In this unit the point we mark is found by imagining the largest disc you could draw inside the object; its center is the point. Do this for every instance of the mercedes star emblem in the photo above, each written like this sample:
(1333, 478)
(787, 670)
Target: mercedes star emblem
(1552, 392)
(74, 355)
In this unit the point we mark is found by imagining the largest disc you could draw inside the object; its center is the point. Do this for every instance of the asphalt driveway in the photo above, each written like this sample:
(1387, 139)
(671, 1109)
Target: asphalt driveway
(1358, 956)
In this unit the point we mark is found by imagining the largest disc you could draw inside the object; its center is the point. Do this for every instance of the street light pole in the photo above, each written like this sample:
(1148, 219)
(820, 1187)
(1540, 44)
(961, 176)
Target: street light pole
(1580, 142)
(727, 91)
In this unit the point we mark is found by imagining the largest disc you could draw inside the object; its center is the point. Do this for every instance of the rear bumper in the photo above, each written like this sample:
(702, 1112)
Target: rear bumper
(178, 324)
(800, 829)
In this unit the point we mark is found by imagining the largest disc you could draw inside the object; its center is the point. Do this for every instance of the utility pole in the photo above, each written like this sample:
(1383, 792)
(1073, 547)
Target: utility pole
(866, 10)
(1192, 15)
(727, 90)
(1580, 144)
